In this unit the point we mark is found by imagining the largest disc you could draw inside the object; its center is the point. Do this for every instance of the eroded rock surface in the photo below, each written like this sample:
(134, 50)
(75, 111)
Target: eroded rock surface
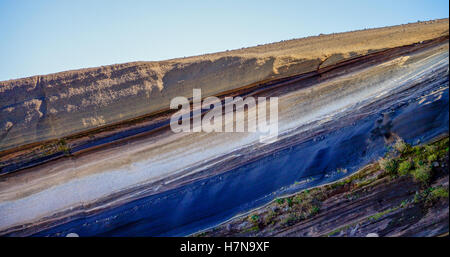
(52, 106)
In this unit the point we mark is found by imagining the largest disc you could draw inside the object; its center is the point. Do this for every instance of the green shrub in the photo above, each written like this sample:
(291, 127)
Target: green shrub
(280, 201)
(62, 146)
(314, 210)
(404, 167)
(254, 219)
(432, 157)
(419, 153)
(289, 201)
(418, 161)
(430, 149)
(438, 192)
(388, 165)
(422, 173)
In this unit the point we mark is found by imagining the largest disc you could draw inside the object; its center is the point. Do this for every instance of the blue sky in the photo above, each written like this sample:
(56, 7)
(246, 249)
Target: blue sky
(44, 36)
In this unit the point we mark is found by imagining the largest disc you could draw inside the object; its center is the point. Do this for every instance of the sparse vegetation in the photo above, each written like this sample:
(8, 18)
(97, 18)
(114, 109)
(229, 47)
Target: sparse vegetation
(416, 161)
(379, 215)
(402, 161)
(62, 146)
(438, 193)
(431, 194)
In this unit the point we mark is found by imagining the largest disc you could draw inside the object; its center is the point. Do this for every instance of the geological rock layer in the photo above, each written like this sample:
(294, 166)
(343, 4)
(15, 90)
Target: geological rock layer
(52, 106)
(342, 99)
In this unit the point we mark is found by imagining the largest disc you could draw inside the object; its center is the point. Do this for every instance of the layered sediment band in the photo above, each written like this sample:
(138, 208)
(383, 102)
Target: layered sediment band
(41, 108)
(337, 115)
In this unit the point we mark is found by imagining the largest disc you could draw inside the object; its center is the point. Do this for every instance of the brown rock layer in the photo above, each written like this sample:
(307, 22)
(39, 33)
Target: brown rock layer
(46, 107)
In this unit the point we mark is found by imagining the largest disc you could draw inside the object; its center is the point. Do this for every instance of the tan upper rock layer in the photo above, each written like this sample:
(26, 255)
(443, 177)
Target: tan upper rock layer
(56, 105)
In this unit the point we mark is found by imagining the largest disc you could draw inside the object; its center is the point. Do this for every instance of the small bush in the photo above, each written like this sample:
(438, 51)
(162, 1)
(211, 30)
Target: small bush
(422, 174)
(254, 219)
(418, 151)
(404, 167)
(289, 201)
(314, 210)
(280, 201)
(401, 146)
(438, 192)
(62, 146)
(430, 149)
(432, 157)
(388, 165)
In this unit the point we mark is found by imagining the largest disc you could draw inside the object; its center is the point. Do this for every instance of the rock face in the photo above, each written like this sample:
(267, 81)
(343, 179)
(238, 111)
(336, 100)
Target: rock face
(139, 178)
(370, 203)
(159, 182)
(52, 106)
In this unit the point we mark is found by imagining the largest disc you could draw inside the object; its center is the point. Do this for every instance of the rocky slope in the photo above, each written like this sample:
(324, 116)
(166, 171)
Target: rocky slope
(156, 182)
(46, 107)
(405, 194)
(136, 177)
